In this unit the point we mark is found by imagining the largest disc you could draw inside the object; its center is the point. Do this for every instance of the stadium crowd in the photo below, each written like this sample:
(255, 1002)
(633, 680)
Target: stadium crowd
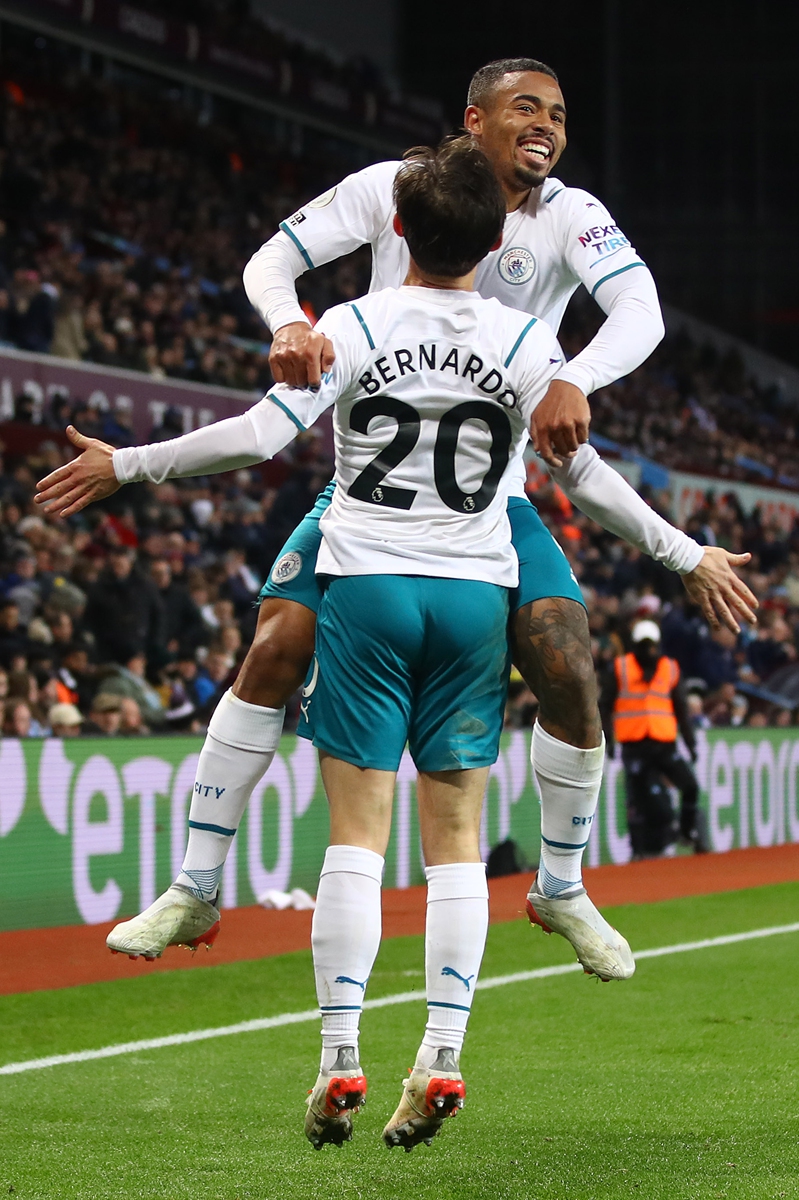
(126, 218)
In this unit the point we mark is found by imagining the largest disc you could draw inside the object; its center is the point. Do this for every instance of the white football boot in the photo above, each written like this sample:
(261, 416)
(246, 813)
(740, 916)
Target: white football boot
(175, 919)
(600, 949)
(335, 1097)
(428, 1098)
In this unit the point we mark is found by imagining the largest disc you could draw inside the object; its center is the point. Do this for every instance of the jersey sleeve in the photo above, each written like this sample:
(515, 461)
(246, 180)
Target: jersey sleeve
(349, 215)
(593, 245)
(304, 406)
(534, 358)
(607, 498)
(242, 441)
(601, 257)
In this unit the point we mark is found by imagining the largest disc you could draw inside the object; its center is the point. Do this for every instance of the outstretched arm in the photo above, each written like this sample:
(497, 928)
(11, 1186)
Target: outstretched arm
(707, 571)
(100, 470)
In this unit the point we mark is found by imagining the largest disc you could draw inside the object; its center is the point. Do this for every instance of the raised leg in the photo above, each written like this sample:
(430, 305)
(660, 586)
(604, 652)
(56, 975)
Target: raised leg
(242, 737)
(552, 649)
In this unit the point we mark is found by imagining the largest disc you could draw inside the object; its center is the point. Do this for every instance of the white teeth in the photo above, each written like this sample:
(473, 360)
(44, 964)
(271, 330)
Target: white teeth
(536, 148)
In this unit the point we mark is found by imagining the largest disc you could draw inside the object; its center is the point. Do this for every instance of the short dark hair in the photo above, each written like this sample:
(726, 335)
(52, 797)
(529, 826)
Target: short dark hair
(451, 206)
(485, 81)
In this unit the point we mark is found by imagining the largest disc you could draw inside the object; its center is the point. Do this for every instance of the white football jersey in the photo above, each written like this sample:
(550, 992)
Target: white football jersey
(433, 394)
(559, 238)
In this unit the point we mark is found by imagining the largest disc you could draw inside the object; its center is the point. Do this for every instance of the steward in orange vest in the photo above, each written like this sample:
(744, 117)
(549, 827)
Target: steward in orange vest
(643, 706)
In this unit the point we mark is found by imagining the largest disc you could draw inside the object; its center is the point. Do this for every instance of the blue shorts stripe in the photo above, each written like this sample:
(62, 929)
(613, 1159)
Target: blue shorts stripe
(442, 1004)
(211, 828)
(306, 256)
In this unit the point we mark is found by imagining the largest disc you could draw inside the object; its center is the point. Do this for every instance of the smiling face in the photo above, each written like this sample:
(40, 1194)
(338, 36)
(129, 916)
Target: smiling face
(522, 130)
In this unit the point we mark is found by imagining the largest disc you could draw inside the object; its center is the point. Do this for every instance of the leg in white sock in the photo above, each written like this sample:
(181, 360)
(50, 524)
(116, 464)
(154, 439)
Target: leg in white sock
(569, 780)
(455, 936)
(240, 745)
(345, 938)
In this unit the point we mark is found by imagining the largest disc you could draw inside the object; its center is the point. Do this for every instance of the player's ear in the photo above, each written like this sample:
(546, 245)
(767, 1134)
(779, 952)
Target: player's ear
(473, 120)
(400, 232)
(497, 244)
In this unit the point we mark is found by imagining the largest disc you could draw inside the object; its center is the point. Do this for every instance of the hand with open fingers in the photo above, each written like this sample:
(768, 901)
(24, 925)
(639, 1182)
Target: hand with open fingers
(721, 594)
(560, 422)
(87, 478)
(300, 356)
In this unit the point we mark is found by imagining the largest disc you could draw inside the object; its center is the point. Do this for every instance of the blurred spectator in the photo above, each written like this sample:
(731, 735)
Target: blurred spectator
(105, 716)
(773, 646)
(212, 677)
(129, 681)
(65, 720)
(76, 677)
(131, 723)
(715, 661)
(183, 625)
(14, 644)
(31, 312)
(124, 611)
(18, 721)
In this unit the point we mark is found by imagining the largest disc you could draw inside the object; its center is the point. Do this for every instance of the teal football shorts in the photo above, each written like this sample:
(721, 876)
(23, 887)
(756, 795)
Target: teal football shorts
(544, 570)
(408, 658)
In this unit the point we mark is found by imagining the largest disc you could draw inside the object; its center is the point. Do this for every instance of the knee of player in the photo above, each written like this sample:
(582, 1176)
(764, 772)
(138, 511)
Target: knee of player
(279, 651)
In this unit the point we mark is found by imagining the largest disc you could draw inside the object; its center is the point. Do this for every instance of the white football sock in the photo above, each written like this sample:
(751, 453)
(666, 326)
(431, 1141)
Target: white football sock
(238, 748)
(455, 938)
(569, 780)
(345, 938)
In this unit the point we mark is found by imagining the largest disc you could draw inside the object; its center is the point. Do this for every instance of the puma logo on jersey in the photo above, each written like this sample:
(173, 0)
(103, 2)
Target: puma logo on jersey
(467, 982)
(346, 979)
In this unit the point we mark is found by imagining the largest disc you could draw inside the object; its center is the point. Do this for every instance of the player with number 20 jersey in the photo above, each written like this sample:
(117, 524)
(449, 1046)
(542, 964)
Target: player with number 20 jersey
(451, 380)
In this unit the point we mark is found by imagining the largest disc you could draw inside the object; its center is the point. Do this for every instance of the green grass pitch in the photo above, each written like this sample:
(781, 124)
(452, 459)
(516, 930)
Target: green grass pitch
(681, 1083)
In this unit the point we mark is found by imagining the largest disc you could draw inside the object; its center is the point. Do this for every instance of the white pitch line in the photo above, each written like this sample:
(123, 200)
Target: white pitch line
(299, 1018)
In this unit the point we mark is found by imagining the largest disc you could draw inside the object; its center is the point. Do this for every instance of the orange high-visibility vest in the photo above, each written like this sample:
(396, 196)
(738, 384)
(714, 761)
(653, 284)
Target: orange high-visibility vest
(645, 710)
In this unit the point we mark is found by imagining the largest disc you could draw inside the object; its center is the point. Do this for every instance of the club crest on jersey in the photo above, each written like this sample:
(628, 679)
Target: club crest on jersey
(287, 568)
(516, 265)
